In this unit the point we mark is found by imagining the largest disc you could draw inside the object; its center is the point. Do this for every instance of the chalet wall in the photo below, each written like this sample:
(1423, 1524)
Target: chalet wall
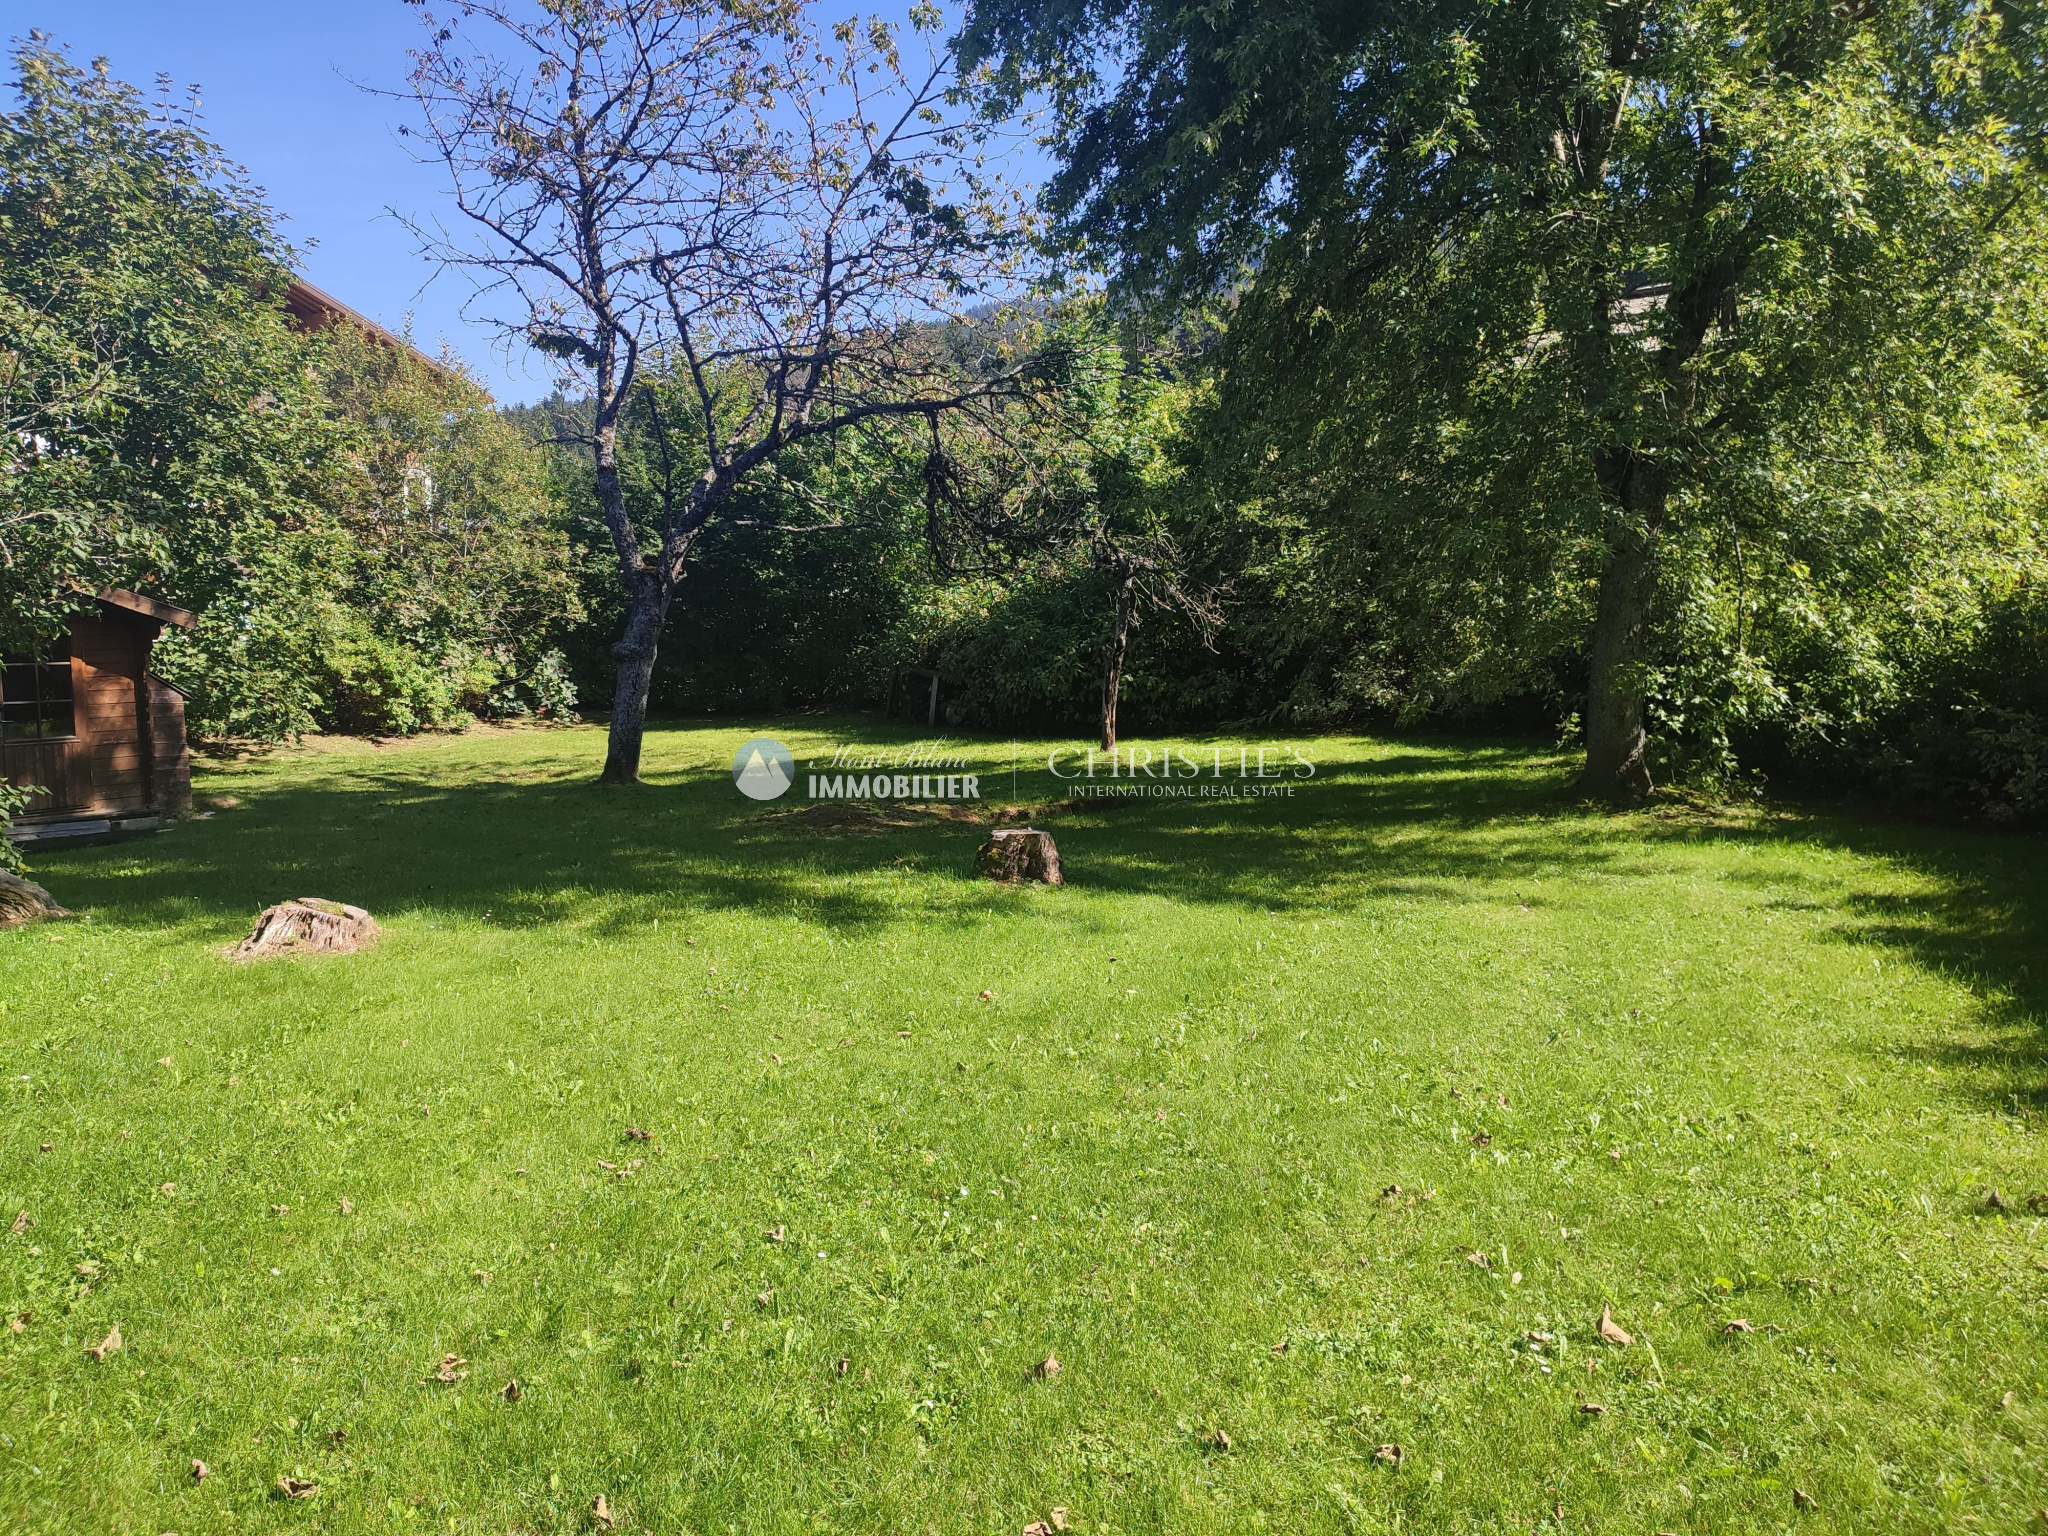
(129, 754)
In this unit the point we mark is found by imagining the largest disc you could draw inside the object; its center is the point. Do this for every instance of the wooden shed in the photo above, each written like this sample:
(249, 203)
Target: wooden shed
(88, 724)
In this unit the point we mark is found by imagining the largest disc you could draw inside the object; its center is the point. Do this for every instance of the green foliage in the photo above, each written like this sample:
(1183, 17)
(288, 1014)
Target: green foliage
(14, 798)
(1755, 288)
(368, 545)
(796, 601)
(152, 394)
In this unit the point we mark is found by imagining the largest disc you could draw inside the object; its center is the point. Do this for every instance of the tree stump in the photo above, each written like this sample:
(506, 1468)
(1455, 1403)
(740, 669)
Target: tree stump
(23, 901)
(1016, 854)
(310, 925)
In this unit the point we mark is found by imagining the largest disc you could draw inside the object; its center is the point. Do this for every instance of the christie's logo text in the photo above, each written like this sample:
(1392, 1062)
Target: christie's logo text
(1193, 772)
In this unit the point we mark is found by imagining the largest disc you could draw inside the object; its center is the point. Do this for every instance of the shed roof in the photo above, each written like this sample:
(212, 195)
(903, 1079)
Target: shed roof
(148, 607)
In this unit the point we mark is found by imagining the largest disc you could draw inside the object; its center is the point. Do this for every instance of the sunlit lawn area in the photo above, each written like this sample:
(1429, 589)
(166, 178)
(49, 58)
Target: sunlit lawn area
(1292, 1130)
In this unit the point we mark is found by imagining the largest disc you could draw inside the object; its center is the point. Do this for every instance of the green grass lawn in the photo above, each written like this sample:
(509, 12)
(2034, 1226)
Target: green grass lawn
(1692, 1067)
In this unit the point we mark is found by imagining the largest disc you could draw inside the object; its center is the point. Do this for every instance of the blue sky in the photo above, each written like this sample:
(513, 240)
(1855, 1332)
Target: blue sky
(281, 87)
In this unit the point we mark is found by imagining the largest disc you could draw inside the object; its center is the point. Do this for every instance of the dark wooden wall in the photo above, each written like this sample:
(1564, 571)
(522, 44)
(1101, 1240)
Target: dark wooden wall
(129, 754)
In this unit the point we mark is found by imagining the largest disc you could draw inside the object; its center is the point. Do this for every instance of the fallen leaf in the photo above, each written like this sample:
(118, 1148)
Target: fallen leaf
(1612, 1332)
(775, 1234)
(1501, 1099)
(347, 1206)
(200, 1470)
(775, 1058)
(163, 1061)
(450, 1369)
(298, 1487)
(106, 1346)
(902, 1034)
(1738, 1325)
(1391, 1193)
(21, 1225)
(634, 1133)
(1475, 1257)
(511, 1392)
(280, 1210)
(88, 1269)
(1392, 1455)
(44, 1147)
(338, 1436)
(1593, 1410)
(167, 1189)
(1801, 1499)
(766, 1297)
(480, 1276)
(988, 996)
(600, 1513)
(1615, 1153)
(20, 1321)
(1995, 1202)
(2038, 1202)
(1058, 1516)
(842, 1365)
(1047, 1368)
(1221, 1439)
(2008, 1400)
(1038, 1528)
(1279, 1349)
(1481, 1139)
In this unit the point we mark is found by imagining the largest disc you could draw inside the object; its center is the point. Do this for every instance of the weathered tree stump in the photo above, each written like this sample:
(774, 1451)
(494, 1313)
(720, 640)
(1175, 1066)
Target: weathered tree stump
(310, 925)
(1016, 854)
(23, 901)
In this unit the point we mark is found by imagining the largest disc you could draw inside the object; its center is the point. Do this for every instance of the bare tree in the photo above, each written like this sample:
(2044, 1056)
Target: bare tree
(708, 196)
(1059, 479)
(1143, 566)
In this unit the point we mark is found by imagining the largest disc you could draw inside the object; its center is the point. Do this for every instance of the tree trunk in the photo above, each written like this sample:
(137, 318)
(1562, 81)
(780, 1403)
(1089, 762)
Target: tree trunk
(635, 651)
(1616, 768)
(1113, 658)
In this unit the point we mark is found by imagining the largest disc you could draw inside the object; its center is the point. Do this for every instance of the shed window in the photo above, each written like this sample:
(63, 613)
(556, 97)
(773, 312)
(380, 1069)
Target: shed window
(35, 696)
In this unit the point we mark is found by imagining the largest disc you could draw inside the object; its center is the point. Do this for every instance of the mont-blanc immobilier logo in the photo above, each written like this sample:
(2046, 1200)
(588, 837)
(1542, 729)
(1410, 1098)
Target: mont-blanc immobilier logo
(762, 769)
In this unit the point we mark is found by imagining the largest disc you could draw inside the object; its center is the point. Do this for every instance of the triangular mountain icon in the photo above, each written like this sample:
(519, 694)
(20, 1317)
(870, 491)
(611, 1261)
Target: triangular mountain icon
(762, 778)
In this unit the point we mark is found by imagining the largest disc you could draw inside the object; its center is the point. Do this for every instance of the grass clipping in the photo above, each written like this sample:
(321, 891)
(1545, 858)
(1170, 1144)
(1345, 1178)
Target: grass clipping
(310, 925)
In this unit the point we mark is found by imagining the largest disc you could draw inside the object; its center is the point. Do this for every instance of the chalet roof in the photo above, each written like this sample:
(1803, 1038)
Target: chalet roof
(314, 309)
(148, 607)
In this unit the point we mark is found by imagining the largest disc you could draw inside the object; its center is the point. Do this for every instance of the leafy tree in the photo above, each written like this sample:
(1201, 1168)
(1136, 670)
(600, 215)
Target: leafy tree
(150, 388)
(1583, 330)
(368, 545)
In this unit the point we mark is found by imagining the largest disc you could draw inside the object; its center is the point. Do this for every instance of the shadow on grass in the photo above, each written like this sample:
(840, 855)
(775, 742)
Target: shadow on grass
(1980, 926)
(536, 843)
